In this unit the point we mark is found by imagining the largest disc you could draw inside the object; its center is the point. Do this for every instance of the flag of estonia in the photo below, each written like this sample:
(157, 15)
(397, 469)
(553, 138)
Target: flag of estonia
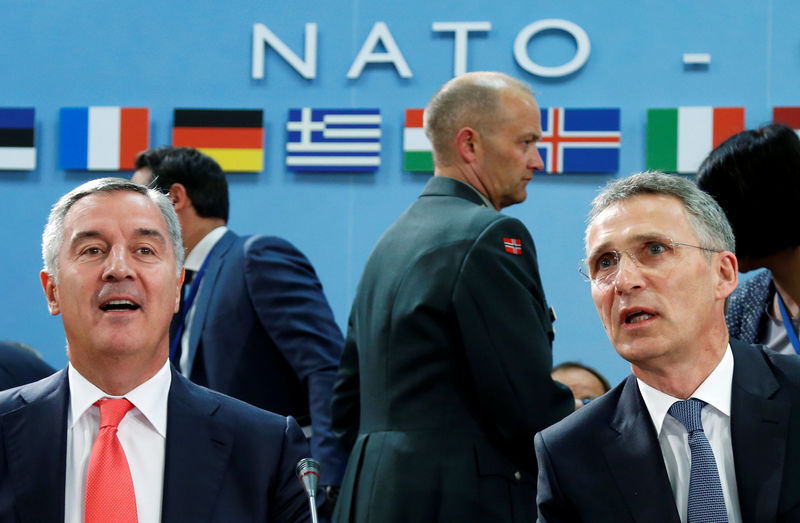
(417, 149)
(788, 116)
(679, 139)
(102, 138)
(17, 147)
(233, 137)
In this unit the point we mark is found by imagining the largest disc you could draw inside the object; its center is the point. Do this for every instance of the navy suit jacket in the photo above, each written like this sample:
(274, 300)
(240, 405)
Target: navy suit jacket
(604, 463)
(19, 366)
(225, 460)
(264, 333)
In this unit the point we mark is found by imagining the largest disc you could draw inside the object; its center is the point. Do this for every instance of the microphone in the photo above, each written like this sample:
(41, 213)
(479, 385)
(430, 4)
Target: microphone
(308, 473)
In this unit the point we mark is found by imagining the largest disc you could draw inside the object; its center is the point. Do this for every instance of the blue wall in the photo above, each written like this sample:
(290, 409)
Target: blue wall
(164, 55)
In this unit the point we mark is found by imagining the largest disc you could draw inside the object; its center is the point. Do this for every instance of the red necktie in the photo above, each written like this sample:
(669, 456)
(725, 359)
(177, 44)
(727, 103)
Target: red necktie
(109, 486)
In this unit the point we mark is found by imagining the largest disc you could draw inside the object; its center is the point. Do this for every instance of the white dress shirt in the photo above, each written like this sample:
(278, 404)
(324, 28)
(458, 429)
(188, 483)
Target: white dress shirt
(142, 433)
(674, 439)
(777, 338)
(194, 262)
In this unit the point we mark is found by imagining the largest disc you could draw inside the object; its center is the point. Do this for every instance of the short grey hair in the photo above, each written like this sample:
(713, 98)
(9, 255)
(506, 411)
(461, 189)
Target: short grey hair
(53, 235)
(469, 100)
(706, 217)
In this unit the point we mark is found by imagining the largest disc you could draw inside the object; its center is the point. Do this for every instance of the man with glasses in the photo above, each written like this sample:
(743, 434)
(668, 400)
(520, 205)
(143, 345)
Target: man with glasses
(707, 428)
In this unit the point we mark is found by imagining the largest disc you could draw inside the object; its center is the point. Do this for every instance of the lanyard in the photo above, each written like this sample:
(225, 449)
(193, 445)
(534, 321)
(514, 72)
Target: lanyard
(787, 323)
(189, 302)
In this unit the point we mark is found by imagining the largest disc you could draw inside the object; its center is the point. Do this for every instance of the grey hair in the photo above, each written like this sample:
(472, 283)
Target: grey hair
(53, 235)
(469, 100)
(706, 218)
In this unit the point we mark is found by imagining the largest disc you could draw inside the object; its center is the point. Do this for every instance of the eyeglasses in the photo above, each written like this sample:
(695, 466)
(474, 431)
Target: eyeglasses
(653, 254)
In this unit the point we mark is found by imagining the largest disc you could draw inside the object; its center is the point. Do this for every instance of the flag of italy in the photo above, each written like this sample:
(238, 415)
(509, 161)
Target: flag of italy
(679, 139)
(417, 150)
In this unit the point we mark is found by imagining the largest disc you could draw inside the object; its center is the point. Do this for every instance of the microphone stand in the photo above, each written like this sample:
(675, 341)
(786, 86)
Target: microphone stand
(308, 473)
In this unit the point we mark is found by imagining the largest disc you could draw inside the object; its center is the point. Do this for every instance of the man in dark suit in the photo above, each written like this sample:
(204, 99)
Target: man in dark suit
(257, 325)
(20, 364)
(113, 256)
(707, 428)
(445, 375)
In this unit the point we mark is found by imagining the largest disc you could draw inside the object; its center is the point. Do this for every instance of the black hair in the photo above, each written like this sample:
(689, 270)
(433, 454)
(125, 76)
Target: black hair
(569, 365)
(151, 158)
(755, 177)
(200, 174)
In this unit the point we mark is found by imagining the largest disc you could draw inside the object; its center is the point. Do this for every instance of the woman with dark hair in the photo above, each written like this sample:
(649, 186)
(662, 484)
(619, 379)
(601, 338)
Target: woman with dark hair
(755, 178)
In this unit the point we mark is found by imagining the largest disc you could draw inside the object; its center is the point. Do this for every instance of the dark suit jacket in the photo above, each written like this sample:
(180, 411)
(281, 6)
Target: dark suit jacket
(747, 315)
(604, 464)
(264, 333)
(225, 460)
(19, 366)
(445, 375)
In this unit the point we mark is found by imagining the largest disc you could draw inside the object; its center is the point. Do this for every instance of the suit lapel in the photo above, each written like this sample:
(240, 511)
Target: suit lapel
(209, 281)
(35, 443)
(759, 432)
(634, 457)
(197, 452)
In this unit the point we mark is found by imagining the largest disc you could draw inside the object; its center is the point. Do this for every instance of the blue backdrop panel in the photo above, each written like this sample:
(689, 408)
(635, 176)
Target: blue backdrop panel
(164, 55)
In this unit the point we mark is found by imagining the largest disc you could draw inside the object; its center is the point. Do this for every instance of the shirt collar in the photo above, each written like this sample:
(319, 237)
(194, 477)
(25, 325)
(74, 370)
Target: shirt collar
(715, 390)
(198, 255)
(484, 199)
(150, 398)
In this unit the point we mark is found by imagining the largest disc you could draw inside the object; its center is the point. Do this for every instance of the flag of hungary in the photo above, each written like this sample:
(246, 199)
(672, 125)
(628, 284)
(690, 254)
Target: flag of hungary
(679, 139)
(417, 150)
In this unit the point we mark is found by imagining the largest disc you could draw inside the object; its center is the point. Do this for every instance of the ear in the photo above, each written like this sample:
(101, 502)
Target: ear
(178, 294)
(467, 143)
(177, 195)
(728, 274)
(50, 292)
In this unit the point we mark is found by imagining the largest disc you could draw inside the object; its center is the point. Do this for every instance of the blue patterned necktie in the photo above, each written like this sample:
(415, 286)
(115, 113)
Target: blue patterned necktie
(706, 502)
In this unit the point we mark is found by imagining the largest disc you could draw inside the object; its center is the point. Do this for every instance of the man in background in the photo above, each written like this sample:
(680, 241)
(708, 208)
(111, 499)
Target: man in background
(119, 435)
(707, 428)
(585, 383)
(254, 323)
(445, 375)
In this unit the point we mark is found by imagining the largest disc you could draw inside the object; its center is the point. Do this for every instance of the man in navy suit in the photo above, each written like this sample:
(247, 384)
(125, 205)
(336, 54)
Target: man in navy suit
(113, 270)
(660, 264)
(257, 325)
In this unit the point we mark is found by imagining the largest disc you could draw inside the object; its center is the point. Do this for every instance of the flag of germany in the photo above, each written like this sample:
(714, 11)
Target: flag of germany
(233, 137)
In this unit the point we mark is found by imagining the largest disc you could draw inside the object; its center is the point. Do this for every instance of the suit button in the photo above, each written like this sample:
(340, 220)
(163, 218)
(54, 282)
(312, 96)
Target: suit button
(517, 476)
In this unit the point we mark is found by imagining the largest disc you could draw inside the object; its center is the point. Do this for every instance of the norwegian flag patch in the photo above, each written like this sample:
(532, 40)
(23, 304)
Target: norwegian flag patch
(513, 245)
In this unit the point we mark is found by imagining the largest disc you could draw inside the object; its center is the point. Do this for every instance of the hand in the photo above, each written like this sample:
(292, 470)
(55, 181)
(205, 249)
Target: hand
(331, 495)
